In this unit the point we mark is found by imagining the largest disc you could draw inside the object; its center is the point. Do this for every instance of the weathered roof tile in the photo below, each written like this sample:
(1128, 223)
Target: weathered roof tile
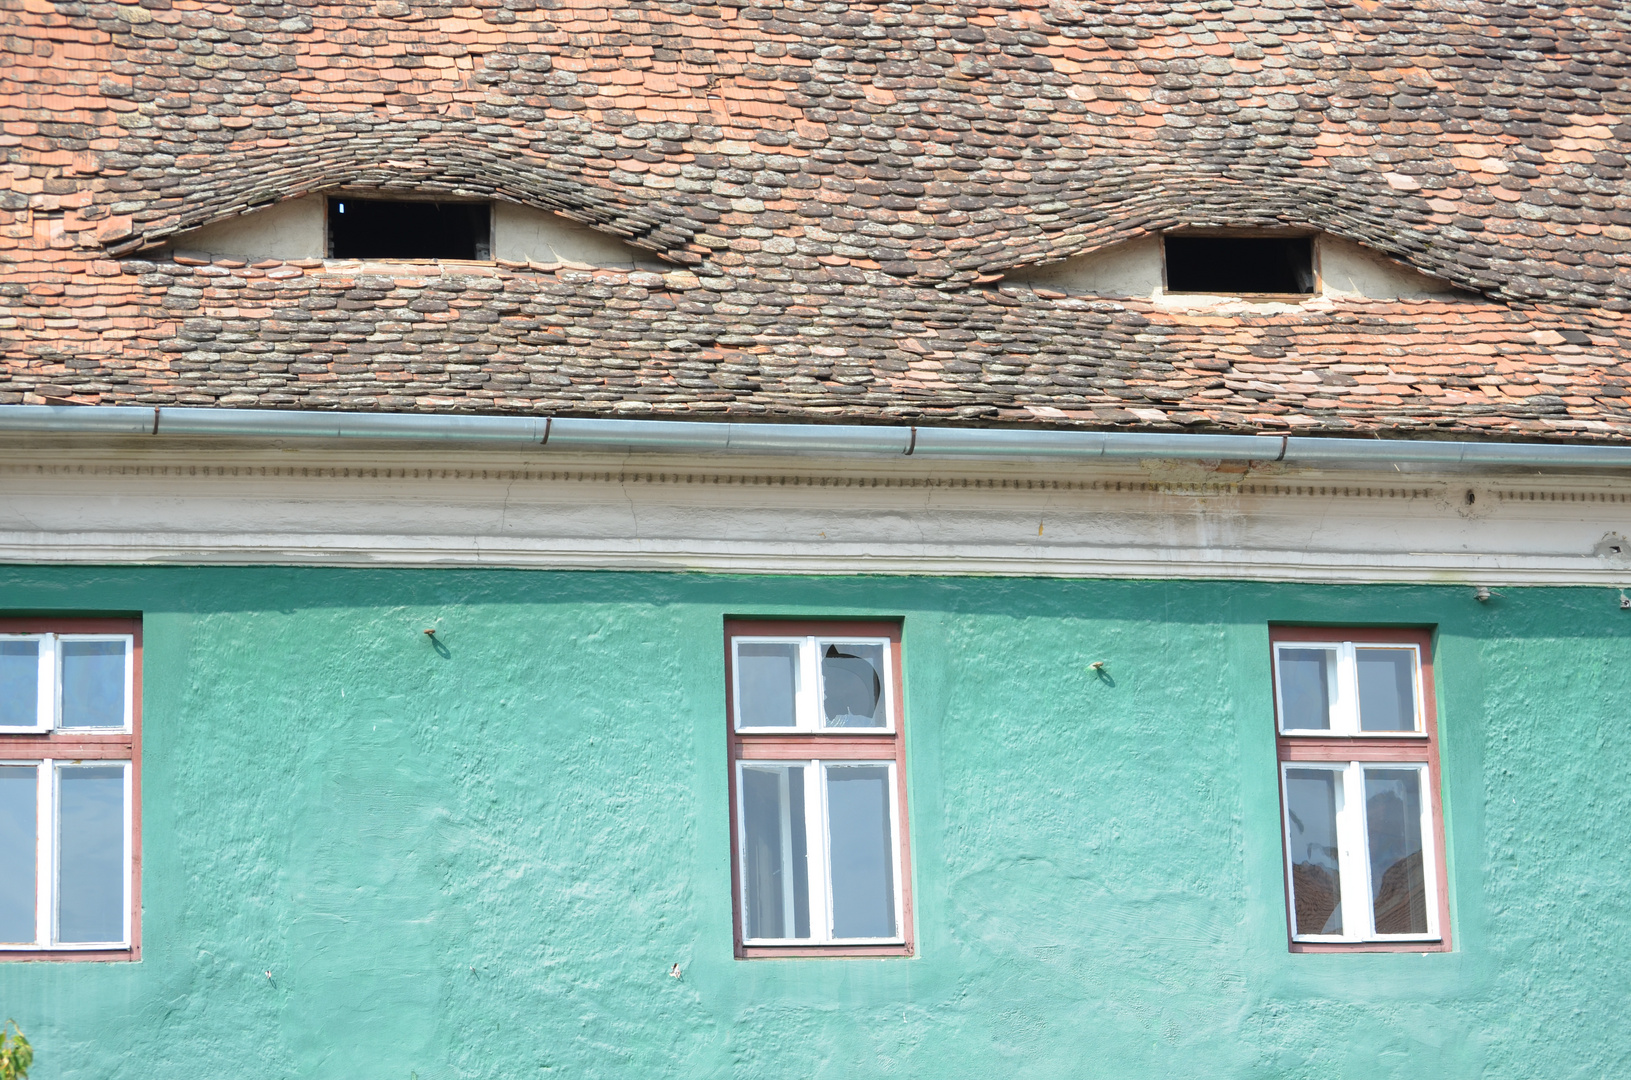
(840, 184)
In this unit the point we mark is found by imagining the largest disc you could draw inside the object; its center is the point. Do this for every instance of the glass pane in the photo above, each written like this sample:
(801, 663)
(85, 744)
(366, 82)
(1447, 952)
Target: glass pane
(1316, 882)
(863, 873)
(1393, 831)
(775, 864)
(767, 680)
(852, 686)
(19, 685)
(91, 853)
(93, 683)
(1305, 688)
(1387, 689)
(18, 856)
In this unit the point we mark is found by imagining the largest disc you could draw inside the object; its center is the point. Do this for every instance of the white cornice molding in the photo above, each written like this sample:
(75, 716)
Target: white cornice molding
(838, 516)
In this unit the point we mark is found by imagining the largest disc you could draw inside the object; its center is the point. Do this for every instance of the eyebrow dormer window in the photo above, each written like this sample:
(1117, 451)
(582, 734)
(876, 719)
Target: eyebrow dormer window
(1235, 265)
(408, 229)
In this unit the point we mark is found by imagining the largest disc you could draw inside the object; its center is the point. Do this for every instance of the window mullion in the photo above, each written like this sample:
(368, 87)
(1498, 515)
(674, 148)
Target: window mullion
(815, 847)
(1356, 913)
(1345, 716)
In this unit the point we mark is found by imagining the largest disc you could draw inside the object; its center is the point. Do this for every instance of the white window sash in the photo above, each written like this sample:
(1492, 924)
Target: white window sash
(807, 684)
(1429, 853)
(44, 685)
(125, 726)
(47, 845)
(800, 683)
(1343, 691)
(817, 851)
(886, 676)
(1353, 851)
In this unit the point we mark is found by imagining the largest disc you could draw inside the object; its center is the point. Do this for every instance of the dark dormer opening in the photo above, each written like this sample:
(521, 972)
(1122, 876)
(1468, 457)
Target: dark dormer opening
(408, 229)
(1240, 264)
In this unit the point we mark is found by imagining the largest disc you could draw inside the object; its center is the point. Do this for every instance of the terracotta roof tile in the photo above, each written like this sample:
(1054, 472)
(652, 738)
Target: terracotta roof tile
(844, 184)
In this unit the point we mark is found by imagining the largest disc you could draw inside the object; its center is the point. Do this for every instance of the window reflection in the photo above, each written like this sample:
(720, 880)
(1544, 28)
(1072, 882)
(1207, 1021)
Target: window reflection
(1387, 689)
(1316, 882)
(19, 683)
(1305, 688)
(1393, 827)
(93, 683)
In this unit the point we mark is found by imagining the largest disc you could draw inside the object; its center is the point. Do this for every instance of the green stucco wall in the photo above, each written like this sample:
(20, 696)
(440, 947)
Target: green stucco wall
(485, 863)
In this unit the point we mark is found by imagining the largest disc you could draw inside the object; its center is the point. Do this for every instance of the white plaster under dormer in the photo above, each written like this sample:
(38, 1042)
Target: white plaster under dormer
(297, 229)
(287, 230)
(1134, 270)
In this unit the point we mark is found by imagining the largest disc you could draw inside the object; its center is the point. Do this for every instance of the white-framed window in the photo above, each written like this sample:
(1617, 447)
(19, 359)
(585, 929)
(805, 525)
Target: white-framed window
(812, 682)
(1361, 854)
(1349, 688)
(1360, 818)
(66, 844)
(820, 865)
(820, 859)
(70, 715)
(66, 682)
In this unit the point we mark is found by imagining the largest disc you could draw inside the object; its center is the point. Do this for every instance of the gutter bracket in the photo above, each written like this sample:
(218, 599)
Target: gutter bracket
(911, 443)
(550, 420)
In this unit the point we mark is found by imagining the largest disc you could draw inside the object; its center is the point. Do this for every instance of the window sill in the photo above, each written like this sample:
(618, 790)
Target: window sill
(768, 952)
(1422, 946)
(125, 954)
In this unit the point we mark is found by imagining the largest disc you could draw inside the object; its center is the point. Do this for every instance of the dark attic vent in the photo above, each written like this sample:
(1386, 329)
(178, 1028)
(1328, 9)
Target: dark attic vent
(408, 229)
(1240, 264)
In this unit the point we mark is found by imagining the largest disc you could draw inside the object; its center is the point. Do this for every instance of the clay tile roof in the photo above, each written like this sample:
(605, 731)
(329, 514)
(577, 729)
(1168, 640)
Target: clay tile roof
(840, 190)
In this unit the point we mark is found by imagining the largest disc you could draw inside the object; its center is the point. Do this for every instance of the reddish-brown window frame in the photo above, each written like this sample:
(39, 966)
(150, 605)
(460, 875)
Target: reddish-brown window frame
(1411, 748)
(83, 746)
(853, 746)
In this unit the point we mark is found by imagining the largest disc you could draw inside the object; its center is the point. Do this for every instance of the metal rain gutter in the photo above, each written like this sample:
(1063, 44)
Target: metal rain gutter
(684, 436)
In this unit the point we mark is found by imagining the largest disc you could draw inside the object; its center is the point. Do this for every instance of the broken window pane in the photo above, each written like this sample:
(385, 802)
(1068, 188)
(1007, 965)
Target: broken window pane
(1316, 881)
(852, 689)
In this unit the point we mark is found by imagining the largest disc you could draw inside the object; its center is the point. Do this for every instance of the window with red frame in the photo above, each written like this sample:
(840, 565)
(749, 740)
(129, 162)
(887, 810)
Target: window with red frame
(70, 717)
(1361, 816)
(820, 859)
